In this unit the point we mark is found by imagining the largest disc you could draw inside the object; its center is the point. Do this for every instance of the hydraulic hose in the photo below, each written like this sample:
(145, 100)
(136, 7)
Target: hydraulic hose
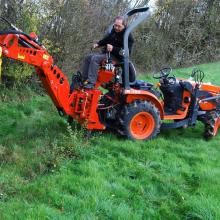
(20, 33)
(15, 32)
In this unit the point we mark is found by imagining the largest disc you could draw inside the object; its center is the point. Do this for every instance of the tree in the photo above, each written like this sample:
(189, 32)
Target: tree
(24, 15)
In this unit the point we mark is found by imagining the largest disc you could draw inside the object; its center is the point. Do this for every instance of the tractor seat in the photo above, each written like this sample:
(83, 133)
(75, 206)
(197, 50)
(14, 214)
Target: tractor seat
(132, 73)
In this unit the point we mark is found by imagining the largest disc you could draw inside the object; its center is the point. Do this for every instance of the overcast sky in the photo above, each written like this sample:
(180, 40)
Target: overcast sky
(152, 3)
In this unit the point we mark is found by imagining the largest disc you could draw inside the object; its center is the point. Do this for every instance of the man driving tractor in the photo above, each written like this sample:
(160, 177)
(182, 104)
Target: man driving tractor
(113, 44)
(133, 108)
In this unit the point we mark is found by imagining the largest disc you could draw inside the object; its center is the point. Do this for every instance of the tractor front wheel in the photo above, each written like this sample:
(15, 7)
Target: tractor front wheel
(212, 124)
(140, 120)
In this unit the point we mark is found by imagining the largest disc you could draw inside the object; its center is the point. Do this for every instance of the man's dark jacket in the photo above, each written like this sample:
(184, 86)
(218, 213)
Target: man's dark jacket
(116, 39)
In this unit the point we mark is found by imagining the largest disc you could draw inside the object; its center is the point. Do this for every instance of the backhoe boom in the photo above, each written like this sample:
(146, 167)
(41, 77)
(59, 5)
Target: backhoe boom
(22, 47)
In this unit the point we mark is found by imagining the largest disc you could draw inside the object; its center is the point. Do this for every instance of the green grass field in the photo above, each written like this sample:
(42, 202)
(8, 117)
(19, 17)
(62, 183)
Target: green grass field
(49, 171)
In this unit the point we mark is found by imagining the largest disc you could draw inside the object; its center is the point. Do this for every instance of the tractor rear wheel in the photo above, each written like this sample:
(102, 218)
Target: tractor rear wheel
(212, 124)
(140, 120)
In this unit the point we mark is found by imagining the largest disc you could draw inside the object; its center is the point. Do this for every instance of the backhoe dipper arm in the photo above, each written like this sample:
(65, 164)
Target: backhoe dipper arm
(19, 46)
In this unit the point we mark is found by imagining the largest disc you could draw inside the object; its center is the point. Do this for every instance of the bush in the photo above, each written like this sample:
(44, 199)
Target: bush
(181, 33)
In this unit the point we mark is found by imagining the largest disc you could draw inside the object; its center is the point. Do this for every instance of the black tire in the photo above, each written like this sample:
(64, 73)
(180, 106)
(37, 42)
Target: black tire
(212, 124)
(140, 120)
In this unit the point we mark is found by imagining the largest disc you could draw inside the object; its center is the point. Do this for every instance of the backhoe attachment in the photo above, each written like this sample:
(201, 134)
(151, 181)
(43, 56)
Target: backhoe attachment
(80, 105)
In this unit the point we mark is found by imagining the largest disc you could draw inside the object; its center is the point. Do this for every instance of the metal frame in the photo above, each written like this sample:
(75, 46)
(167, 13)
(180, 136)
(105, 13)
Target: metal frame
(146, 14)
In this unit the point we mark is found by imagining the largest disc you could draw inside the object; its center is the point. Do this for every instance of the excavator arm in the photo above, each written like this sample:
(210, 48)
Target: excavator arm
(80, 105)
(20, 46)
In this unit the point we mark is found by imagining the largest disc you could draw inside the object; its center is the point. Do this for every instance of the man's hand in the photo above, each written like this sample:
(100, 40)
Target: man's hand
(95, 45)
(109, 47)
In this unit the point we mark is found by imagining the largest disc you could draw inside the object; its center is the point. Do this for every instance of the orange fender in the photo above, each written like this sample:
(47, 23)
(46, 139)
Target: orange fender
(133, 94)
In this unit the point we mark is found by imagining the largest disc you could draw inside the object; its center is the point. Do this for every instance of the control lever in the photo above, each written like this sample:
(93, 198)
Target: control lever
(109, 65)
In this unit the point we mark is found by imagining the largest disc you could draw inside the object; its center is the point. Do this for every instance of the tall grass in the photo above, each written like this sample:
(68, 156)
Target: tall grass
(49, 171)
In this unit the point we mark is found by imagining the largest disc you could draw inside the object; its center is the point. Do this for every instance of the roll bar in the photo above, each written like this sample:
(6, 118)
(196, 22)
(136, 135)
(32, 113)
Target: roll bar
(145, 13)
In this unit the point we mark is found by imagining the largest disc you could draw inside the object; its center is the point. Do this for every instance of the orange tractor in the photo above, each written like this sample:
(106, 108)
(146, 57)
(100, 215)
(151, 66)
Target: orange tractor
(132, 107)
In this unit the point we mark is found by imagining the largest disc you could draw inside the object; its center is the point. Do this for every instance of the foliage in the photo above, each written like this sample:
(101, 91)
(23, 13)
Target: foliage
(180, 33)
(186, 32)
(24, 15)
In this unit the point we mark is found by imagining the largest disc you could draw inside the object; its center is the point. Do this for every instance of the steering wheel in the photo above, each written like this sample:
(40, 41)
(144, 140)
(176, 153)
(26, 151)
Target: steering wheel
(164, 73)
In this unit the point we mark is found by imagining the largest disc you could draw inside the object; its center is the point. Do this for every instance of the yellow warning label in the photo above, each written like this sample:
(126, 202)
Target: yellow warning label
(20, 56)
(45, 57)
(0, 64)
